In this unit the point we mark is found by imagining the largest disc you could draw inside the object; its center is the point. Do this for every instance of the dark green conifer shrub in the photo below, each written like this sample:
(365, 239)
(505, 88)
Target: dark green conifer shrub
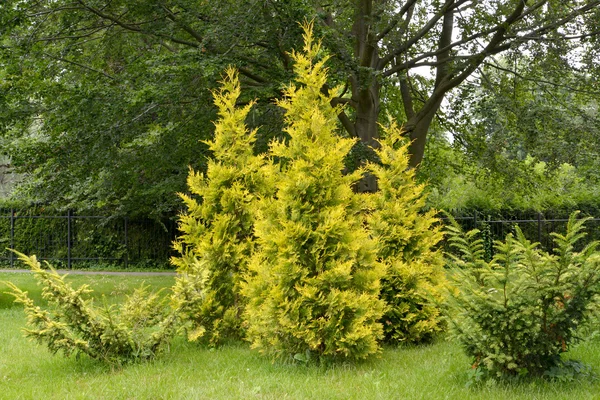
(134, 331)
(217, 229)
(313, 283)
(406, 243)
(516, 314)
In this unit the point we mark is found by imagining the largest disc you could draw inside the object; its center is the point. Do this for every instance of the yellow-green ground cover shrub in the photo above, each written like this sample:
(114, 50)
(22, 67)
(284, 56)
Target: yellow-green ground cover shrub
(135, 330)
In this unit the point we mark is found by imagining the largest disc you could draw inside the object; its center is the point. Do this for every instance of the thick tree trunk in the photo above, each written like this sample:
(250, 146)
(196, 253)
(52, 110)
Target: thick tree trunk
(365, 84)
(367, 113)
(366, 128)
(418, 136)
(418, 123)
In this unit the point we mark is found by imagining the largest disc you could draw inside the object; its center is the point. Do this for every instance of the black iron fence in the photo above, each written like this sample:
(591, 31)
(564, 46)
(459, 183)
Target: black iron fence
(85, 239)
(537, 227)
(88, 239)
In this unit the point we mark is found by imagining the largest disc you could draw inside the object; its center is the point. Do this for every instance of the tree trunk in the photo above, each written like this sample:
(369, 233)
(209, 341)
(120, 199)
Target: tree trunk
(366, 128)
(367, 112)
(365, 83)
(418, 124)
(418, 136)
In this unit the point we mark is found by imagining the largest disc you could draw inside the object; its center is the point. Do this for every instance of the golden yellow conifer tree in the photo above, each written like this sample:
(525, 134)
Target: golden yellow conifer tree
(313, 284)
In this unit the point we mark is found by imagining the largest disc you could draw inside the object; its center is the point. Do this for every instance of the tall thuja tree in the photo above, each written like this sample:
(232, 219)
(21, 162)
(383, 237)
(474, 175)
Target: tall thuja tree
(217, 230)
(313, 284)
(406, 239)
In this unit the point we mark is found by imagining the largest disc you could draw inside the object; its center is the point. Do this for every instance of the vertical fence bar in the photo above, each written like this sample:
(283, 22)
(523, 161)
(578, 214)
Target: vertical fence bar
(12, 237)
(69, 215)
(539, 220)
(126, 242)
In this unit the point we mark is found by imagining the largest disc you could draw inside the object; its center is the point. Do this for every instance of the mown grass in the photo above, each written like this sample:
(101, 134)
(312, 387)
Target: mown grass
(112, 287)
(98, 266)
(438, 371)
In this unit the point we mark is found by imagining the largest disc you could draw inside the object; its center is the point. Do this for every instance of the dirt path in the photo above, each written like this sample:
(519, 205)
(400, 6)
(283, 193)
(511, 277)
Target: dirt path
(79, 272)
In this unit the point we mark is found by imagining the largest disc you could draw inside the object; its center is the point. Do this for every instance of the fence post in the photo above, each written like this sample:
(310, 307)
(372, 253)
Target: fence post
(69, 215)
(539, 218)
(12, 237)
(126, 242)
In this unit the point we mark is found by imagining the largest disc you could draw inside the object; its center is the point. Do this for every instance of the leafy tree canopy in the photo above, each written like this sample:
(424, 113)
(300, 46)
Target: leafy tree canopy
(103, 101)
(528, 143)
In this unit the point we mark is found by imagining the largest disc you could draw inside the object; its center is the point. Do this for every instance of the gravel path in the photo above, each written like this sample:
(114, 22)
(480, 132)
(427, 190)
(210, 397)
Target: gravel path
(79, 272)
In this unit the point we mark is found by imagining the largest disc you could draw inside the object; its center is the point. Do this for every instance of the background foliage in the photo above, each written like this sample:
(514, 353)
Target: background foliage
(103, 102)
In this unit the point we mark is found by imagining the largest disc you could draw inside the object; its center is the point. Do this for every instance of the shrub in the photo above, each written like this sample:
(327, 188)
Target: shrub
(406, 240)
(135, 331)
(217, 229)
(313, 283)
(516, 314)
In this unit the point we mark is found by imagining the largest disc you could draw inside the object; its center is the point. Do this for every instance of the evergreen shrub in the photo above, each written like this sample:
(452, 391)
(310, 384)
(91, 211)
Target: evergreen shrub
(217, 230)
(313, 283)
(281, 245)
(134, 331)
(407, 240)
(516, 314)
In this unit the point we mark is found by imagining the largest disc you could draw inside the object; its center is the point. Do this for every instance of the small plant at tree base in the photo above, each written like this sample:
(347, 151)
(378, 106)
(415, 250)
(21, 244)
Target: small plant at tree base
(135, 331)
(313, 284)
(406, 243)
(516, 314)
(217, 230)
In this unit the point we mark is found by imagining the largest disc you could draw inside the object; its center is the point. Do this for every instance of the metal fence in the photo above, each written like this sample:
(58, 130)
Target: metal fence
(71, 238)
(536, 227)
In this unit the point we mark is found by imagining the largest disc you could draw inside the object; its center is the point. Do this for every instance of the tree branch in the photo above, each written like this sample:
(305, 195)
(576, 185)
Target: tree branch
(521, 76)
(448, 6)
(347, 124)
(185, 27)
(79, 65)
(133, 27)
(444, 43)
(407, 99)
(405, 8)
(83, 35)
(246, 72)
(569, 17)
(447, 83)
(52, 11)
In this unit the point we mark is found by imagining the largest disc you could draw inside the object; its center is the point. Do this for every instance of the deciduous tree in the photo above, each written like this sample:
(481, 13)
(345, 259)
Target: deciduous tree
(85, 46)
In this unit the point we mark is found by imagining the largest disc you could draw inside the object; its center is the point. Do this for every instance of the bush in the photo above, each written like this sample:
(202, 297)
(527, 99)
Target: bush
(516, 314)
(313, 283)
(135, 331)
(287, 232)
(217, 230)
(406, 241)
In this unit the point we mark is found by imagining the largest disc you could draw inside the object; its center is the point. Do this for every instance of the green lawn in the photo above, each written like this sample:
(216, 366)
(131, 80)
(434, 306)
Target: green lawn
(438, 371)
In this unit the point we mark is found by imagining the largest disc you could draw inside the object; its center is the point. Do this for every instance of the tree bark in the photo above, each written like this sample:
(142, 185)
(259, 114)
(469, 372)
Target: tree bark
(421, 121)
(367, 113)
(365, 84)
(418, 137)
